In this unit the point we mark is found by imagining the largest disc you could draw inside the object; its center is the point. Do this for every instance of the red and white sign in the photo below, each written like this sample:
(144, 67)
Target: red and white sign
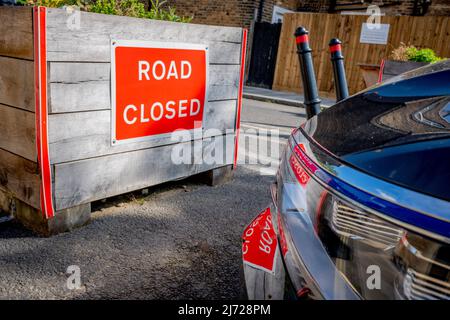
(260, 243)
(300, 174)
(283, 241)
(156, 88)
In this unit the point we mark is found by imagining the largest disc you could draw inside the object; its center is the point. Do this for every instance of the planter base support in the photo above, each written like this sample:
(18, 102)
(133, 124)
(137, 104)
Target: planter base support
(33, 219)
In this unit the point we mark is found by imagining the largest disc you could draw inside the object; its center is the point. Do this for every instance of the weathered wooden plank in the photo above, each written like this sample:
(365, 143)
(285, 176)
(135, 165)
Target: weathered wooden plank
(220, 115)
(17, 83)
(92, 179)
(20, 177)
(75, 136)
(86, 86)
(222, 92)
(393, 68)
(16, 36)
(91, 42)
(79, 87)
(63, 221)
(18, 132)
(223, 82)
(81, 96)
(76, 72)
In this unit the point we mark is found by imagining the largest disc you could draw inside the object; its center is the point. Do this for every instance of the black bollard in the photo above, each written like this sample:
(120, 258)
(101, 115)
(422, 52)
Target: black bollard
(337, 60)
(312, 100)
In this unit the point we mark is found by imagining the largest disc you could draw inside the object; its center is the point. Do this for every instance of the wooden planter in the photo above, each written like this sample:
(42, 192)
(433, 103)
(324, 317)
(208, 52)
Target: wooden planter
(370, 73)
(388, 68)
(56, 150)
(392, 68)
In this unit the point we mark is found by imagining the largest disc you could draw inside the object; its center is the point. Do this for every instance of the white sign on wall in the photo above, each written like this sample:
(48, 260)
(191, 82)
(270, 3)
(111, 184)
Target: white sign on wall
(374, 33)
(278, 12)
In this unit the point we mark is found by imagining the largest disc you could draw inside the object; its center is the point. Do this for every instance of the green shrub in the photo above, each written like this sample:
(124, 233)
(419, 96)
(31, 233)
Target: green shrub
(158, 12)
(423, 55)
(45, 3)
(53, 3)
(130, 8)
(411, 53)
(104, 6)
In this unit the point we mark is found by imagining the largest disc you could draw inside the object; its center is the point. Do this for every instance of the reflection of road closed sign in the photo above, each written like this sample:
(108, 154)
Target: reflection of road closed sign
(156, 88)
(260, 243)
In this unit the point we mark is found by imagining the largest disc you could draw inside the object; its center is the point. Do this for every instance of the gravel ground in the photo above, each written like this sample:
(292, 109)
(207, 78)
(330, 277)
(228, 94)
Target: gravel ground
(181, 241)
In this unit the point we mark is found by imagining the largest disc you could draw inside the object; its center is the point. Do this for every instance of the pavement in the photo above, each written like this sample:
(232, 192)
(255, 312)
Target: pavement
(280, 97)
(181, 240)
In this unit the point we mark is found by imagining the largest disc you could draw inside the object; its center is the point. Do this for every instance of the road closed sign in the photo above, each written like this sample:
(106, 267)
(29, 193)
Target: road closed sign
(156, 88)
(260, 243)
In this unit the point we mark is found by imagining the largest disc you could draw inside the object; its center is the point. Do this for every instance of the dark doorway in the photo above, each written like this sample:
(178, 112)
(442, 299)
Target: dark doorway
(264, 54)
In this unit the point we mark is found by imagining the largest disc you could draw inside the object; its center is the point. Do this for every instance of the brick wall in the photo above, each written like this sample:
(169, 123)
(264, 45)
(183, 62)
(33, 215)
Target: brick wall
(439, 8)
(314, 6)
(216, 12)
(240, 13)
(268, 7)
(406, 7)
(237, 13)
(389, 7)
(395, 7)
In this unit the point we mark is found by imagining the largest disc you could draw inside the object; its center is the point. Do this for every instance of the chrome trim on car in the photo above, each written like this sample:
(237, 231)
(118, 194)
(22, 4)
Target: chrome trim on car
(359, 224)
(418, 254)
(419, 286)
(409, 199)
(311, 260)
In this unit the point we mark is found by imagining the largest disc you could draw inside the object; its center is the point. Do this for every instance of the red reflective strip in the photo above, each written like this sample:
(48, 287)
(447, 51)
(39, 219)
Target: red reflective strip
(299, 150)
(40, 74)
(302, 39)
(241, 88)
(336, 47)
(283, 242)
(303, 292)
(319, 207)
(380, 74)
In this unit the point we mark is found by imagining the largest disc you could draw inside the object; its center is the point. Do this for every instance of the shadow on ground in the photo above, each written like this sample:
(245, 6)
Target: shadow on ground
(181, 241)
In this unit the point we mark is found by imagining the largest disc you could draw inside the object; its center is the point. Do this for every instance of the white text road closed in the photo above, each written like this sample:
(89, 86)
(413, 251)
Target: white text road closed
(157, 88)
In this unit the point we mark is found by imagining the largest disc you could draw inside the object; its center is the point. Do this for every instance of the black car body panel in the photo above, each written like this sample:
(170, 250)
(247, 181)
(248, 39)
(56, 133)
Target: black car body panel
(386, 130)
